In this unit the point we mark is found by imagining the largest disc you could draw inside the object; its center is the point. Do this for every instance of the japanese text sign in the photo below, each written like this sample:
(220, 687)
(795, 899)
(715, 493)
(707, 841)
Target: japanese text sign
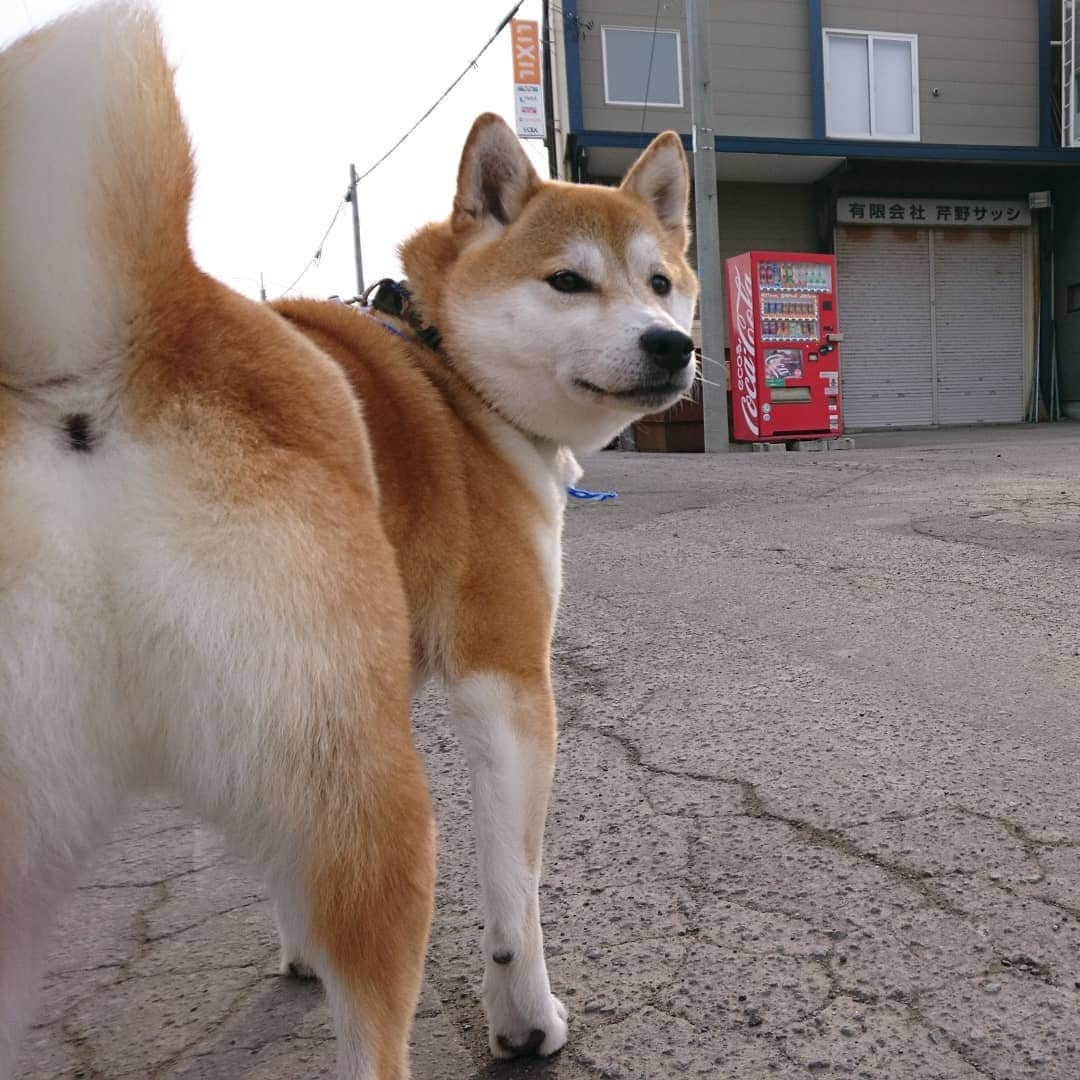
(981, 213)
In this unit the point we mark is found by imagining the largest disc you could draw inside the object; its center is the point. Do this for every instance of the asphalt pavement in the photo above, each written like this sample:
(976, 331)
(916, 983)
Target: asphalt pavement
(817, 810)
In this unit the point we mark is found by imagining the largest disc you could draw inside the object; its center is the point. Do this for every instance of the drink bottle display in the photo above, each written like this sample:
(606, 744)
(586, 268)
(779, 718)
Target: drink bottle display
(790, 313)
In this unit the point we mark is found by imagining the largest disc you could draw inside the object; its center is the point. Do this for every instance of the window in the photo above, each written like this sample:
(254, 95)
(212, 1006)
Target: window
(871, 85)
(641, 67)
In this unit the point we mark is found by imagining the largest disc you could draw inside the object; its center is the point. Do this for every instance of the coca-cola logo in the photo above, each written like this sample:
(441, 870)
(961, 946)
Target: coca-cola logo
(745, 351)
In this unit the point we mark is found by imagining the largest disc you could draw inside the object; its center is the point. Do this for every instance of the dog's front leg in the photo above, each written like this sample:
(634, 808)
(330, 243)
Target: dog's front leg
(507, 728)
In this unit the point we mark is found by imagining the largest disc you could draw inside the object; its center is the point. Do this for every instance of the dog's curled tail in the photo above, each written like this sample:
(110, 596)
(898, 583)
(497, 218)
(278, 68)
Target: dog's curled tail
(95, 182)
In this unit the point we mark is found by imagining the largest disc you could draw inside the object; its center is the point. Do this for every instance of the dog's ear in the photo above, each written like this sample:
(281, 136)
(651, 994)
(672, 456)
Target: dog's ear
(661, 178)
(495, 178)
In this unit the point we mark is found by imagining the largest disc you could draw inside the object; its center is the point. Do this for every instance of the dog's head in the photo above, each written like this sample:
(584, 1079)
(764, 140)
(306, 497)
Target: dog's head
(566, 306)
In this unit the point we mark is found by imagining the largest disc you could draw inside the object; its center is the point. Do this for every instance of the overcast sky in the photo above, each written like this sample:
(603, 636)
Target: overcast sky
(281, 96)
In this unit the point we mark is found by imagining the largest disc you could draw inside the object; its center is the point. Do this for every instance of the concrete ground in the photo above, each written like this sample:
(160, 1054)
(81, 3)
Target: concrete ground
(817, 810)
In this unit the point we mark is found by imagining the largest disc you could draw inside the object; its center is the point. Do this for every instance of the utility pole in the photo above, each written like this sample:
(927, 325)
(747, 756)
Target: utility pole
(707, 228)
(262, 287)
(351, 197)
(549, 96)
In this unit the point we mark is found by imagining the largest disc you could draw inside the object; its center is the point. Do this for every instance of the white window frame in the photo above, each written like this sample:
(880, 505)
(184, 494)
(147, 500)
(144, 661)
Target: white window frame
(678, 59)
(869, 36)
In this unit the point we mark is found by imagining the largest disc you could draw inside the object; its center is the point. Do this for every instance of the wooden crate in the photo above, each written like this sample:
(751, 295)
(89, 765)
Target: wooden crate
(678, 430)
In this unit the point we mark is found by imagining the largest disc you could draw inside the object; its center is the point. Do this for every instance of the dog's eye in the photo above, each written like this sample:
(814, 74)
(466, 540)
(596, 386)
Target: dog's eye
(660, 285)
(569, 282)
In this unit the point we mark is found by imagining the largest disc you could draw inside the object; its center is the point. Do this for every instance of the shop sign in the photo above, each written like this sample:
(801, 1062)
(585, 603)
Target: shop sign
(528, 89)
(980, 213)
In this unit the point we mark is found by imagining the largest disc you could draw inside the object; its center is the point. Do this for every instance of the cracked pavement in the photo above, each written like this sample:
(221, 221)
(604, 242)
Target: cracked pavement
(816, 810)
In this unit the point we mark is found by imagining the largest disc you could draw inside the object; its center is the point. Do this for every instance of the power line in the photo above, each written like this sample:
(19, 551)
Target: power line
(314, 260)
(648, 76)
(442, 97)
(541, 156)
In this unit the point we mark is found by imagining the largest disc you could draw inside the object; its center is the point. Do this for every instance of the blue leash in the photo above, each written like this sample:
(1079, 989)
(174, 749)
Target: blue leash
(387, 326)
(590, 496)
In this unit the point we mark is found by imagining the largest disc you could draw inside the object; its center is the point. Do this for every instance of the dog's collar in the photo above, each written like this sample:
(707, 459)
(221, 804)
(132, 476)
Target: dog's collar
(396, 299)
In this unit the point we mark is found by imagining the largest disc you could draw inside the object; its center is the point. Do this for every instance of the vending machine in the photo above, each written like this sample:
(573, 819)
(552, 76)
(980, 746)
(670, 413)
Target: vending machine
(784, 347)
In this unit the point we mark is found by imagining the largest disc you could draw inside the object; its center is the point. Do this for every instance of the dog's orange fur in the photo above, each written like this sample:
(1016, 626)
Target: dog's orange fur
(554, 211)
(259, 434)
(258, 420)
(462, 524)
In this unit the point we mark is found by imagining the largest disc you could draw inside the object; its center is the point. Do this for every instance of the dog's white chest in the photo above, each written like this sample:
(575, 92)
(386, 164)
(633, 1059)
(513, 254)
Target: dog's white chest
(546, 469)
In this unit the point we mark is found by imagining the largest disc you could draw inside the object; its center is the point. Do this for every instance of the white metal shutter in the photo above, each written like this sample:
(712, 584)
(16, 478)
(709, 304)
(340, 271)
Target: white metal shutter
(886, 370)
(979, 325)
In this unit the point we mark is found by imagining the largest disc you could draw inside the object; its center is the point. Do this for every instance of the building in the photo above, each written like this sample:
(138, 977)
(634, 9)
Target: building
(932, 145)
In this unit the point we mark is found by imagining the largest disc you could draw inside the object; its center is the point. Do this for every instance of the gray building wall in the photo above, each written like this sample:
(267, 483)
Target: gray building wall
(761, 66)
(630, 13)
(778, 217)
(982, 55)
(764, 217)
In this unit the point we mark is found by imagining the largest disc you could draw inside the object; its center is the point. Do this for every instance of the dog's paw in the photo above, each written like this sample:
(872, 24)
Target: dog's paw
(294, 968)
(542, 1035)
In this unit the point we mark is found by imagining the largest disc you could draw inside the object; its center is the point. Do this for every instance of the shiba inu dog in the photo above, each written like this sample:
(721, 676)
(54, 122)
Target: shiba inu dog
(561, 311)
(234, 537)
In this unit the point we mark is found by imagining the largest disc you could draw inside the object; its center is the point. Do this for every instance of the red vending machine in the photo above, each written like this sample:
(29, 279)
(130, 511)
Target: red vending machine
(784, 347)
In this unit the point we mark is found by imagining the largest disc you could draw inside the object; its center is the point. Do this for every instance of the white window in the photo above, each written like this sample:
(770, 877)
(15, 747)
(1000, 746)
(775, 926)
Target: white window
(642, 67)
(871, 85)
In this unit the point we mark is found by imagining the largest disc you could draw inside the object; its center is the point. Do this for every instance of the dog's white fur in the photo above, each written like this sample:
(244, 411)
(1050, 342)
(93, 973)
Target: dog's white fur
(152, 632)
(510, 783)
(557, 343)
(197, 587)
(55, 112)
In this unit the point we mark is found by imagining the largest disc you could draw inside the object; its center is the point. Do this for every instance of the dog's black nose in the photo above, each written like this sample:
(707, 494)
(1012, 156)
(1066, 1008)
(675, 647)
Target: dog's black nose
(670, 349)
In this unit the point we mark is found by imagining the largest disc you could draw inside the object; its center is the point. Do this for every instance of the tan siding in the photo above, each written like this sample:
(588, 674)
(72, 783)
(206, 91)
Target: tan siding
(999, 53)
(769, 38)
(763, 126)
(759, 35)
(626, 13)
(980, 116)
(982, 55)
(771, 105)
(732, 62)
(979, 87)
(993, 136)
(753, 78)
(760, 60)
(1009, 9)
